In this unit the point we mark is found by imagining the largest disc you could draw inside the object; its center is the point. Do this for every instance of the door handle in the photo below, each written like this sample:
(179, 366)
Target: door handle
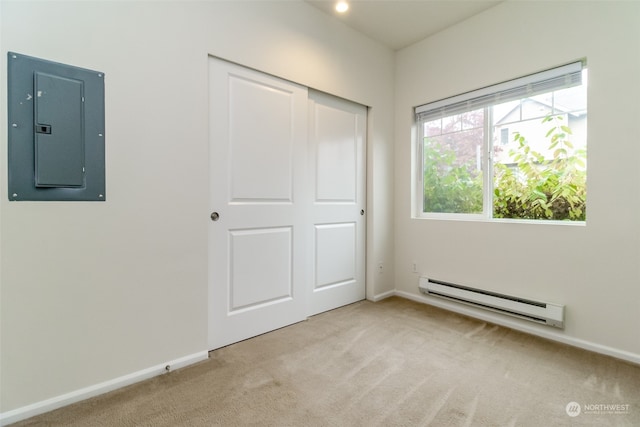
(215, 216)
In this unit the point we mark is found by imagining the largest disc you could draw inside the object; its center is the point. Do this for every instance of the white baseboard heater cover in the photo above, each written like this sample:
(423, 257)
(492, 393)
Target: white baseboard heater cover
(535, 311)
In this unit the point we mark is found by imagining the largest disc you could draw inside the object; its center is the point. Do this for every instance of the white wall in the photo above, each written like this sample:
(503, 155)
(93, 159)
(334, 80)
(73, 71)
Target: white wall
(593, 269)
(95, 291)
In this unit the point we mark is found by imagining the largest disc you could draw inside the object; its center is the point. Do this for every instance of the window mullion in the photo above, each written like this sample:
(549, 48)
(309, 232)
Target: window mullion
(487, 174)
(420, 171)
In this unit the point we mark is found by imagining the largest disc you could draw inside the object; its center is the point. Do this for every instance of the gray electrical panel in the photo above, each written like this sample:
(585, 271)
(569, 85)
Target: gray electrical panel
(56, 131)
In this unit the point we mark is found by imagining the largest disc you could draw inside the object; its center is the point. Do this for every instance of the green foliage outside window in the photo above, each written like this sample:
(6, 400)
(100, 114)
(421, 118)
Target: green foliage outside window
(450, 187)
(536, 188)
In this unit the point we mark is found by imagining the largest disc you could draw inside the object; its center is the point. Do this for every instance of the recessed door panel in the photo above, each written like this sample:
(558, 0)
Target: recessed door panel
(337, 150)
(261, 264)
(335, 254)
(261, 139)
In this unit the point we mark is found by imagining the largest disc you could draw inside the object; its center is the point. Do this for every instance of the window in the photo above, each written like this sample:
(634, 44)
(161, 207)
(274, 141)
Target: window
(514, 150)
(504, 136)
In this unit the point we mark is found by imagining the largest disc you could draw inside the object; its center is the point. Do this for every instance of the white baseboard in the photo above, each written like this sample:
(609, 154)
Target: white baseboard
(37, 408)
(382, 296)
(540, 331)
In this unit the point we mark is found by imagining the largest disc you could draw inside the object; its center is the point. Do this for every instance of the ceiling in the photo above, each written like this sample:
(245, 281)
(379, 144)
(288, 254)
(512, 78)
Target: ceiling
(399, 23)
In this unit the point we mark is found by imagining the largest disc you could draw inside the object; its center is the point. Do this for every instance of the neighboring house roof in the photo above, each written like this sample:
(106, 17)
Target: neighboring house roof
(548, 106)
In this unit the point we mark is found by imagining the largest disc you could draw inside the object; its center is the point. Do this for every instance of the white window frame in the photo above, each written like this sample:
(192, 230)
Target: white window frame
(542, 82)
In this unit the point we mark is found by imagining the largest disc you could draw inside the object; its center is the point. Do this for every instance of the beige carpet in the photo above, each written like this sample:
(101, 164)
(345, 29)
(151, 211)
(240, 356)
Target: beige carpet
(391, 363)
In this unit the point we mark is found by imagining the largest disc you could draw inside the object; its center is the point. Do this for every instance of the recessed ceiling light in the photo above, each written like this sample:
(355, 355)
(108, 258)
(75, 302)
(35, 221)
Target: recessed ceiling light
(342, 6)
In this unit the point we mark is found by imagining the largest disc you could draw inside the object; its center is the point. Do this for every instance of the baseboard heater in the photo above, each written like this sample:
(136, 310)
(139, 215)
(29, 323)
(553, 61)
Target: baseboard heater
(535, 311)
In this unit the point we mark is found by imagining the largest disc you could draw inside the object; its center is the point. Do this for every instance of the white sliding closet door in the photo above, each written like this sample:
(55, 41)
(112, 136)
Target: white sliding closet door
(337, 135)
(287, 187)
(258, 231)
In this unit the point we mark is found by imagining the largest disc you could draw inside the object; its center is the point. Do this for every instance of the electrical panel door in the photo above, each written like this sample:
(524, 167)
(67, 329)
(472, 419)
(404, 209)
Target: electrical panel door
(56, 131)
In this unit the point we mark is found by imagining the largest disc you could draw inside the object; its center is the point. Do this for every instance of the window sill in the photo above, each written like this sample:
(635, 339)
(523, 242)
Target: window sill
(479, 218)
